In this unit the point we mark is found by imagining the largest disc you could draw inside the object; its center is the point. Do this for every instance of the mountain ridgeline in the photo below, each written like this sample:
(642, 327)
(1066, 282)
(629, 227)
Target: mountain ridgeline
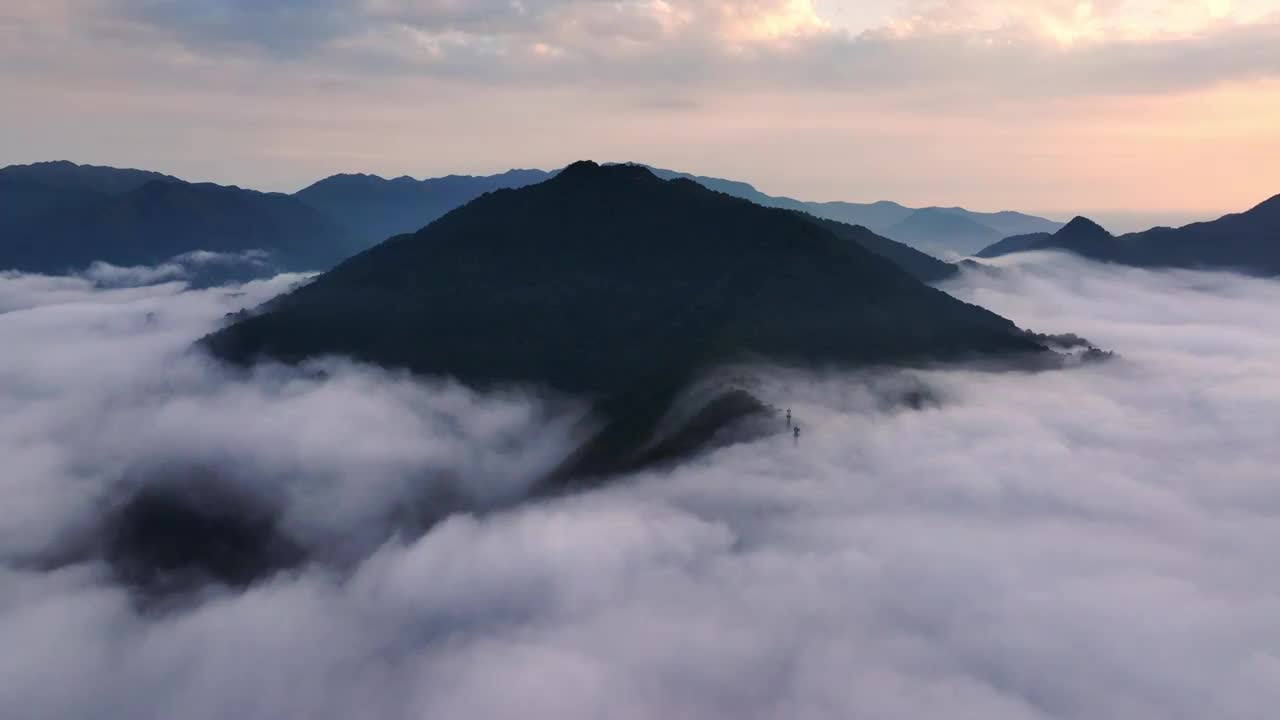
(940, 231)
(1246, 242)
(921, 266)
(373, 208)
(610, 283)
(943, 232)
(29, 191)
(61, 217)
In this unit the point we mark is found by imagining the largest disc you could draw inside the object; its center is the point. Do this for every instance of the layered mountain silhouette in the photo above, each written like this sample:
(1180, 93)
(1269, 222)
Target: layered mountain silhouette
(58, 217)
(1082, 235)
(943, 232)
(374, 208)
(921, 266)
(29, 191)
(1014, 243)
(63, 176)
(1246, 242)
(610, 283)
(936, 230)
(62, 217)
(880, 215)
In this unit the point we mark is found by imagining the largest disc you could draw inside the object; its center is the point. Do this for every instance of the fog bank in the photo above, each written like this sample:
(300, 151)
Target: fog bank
(1091, 543)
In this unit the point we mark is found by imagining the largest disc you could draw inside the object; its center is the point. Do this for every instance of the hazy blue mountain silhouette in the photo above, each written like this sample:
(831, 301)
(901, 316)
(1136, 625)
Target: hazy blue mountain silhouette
(928, 229)
(610, 283)
(1080, 236)
(878, 216)
(1014, 243)
(943, 232)
(735, 188)
(69, 216)
(374, 208)
(1008, 222)
(60, 216)
(921, 266)
(65, 175)
(1246, 242)
(28, 191)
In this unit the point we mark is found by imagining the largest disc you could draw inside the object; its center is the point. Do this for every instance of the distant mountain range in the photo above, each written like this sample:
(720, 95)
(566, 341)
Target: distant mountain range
(373, 209)
(1246, 242)
(60, 217)
(30, 191)
(921, 266)
(376, 208)
(48, 212)
(610, 283)
(934, 230)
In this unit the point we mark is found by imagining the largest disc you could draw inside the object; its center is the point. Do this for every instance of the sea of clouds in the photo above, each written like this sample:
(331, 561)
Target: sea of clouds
(1090, 543)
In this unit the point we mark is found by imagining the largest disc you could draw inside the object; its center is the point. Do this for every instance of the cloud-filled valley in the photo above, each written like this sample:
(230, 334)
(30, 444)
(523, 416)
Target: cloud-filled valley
(1086, 543)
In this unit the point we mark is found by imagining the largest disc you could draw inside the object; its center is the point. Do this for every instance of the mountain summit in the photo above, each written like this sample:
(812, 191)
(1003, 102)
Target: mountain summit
(1082, 228)
(611, 283)
(1246, 242)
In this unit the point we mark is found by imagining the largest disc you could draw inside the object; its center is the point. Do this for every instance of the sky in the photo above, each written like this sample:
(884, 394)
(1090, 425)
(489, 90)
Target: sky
(1089, 542)
(1162, 107)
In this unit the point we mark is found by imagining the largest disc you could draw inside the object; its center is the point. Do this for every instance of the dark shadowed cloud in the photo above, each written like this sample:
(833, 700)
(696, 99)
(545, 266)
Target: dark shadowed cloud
(770, 43)
(282, 28)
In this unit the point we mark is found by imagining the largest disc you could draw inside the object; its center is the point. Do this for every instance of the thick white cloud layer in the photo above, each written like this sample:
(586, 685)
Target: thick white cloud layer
(1086, 544)
(99, 385)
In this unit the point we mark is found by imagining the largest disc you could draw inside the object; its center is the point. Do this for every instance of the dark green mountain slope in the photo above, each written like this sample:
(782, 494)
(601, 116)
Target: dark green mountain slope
(374, 209)
(923, 267)
(611, 283)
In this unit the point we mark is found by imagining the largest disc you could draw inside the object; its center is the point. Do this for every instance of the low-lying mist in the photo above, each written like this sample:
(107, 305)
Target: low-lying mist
(1088, 543)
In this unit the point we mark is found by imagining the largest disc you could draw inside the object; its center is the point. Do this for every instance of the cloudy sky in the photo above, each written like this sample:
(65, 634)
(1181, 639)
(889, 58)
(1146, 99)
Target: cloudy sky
(1053, 106)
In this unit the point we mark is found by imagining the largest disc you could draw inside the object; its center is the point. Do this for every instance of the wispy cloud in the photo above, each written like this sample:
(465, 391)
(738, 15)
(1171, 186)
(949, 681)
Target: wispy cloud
(1039, 46)
(1070, 22)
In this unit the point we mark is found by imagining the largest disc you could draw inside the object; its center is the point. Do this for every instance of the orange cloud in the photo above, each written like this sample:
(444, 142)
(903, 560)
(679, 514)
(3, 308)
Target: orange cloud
(1069, 22)
(769, 21)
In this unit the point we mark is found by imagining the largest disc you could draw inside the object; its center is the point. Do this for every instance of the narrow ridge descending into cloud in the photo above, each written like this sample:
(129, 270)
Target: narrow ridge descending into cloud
(1073, 545)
